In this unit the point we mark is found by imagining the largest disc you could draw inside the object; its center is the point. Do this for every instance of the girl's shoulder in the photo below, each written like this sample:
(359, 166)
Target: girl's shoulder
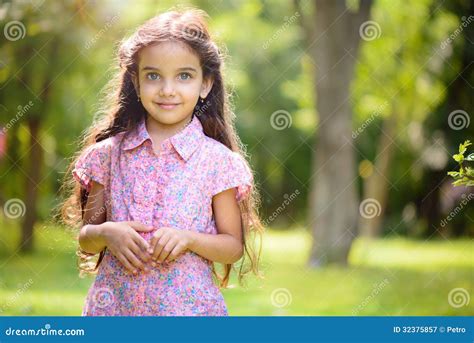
(102, 150)
(220, 155)
(226, 169)
(215, 147)
(94, 162)
(108, 144)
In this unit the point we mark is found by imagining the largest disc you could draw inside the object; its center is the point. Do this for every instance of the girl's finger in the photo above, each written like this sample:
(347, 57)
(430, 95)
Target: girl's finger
(168, 248)
(125, 263)
(160, 244)
(178, 250)
(142, 254)
(137, 226)
(156, 237)
(133, 259)
(141, 242)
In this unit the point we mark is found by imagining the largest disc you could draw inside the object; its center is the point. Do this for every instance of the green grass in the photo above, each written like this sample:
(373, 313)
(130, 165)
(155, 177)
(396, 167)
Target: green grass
(386, 277)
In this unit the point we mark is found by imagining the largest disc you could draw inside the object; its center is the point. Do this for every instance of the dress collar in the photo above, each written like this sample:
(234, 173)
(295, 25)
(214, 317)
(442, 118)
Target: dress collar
(185, 142)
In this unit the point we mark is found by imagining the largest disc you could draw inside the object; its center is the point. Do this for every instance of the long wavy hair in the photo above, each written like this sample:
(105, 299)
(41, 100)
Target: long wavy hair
(120, 111)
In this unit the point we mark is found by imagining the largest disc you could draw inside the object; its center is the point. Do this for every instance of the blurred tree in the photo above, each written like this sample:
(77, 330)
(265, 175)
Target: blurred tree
(38, 55)
(333, 40)
(450, 119)
(409, 89)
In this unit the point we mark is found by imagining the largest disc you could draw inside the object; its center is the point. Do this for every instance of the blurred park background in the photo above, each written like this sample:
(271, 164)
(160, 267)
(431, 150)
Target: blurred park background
(350, 110)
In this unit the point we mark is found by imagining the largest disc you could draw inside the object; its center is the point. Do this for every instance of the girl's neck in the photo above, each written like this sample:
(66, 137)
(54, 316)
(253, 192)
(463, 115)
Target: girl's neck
(159, 132)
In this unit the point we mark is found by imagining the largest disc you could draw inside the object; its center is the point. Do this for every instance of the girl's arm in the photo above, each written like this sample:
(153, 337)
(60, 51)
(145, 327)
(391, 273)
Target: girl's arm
(225, 247)
(91, 237)
(121, 238)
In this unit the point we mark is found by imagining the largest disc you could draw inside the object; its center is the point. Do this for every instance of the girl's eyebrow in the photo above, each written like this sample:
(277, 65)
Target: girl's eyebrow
(179, 69)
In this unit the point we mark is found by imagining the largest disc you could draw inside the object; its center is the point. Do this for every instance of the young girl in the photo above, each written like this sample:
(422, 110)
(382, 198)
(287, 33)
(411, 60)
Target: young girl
(162, 190)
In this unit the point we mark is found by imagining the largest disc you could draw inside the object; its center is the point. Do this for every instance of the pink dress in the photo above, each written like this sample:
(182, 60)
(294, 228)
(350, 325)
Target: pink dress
(174, 189)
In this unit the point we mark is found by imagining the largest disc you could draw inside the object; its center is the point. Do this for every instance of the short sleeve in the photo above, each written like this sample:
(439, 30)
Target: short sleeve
(93, 164)
(233, 172)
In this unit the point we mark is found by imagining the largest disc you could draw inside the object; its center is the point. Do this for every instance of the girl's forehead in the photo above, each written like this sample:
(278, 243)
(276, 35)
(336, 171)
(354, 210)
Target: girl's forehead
(168, 55)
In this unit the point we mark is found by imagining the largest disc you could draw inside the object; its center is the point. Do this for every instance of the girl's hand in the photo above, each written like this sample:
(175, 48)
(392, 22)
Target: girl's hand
(168, 243)
(124, 242)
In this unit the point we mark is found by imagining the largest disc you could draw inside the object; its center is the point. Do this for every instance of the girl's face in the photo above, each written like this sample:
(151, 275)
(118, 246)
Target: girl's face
(170, 81)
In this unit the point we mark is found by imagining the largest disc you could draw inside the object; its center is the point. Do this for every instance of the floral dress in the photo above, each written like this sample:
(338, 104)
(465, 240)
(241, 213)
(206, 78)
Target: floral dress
(173, 188)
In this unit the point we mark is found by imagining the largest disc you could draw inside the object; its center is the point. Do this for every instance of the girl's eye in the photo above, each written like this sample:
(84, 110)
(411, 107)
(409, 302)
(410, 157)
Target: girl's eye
(152, 76)
(185, 76)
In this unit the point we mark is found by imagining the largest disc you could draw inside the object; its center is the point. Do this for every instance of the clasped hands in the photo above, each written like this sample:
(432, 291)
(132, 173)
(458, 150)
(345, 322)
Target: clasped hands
(135, 253)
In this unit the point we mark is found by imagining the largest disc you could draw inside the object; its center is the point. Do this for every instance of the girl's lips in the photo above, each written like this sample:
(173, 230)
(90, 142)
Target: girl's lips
(167, 106)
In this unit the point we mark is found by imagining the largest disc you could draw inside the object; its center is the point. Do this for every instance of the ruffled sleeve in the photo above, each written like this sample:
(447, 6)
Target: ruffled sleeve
(232, 172)
(93, 164)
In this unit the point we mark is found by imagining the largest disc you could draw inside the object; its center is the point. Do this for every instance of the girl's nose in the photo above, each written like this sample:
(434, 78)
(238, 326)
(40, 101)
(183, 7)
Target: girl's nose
(167, 89)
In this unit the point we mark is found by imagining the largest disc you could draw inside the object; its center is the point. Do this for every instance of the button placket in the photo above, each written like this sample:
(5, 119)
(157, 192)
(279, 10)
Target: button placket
(144, 190)
(161, 181)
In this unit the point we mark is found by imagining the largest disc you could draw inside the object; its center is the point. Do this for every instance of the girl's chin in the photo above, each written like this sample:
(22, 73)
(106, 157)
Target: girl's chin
(166, 118)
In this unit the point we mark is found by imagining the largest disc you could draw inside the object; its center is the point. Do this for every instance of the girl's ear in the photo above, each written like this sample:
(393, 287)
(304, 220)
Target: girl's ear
(136, 84)
(206, 86)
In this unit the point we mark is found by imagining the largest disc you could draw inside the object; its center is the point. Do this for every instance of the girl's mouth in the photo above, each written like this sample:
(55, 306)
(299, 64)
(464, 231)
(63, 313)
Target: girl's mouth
(167, 106)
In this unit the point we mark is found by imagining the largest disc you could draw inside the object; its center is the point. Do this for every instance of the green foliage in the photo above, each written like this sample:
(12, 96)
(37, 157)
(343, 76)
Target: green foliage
(465, 175)
(67, 53)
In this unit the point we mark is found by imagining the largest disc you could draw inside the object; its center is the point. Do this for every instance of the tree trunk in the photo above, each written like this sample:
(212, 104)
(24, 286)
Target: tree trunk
(35, 158)
(333, 200)
(35, 152)
(376, 186)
